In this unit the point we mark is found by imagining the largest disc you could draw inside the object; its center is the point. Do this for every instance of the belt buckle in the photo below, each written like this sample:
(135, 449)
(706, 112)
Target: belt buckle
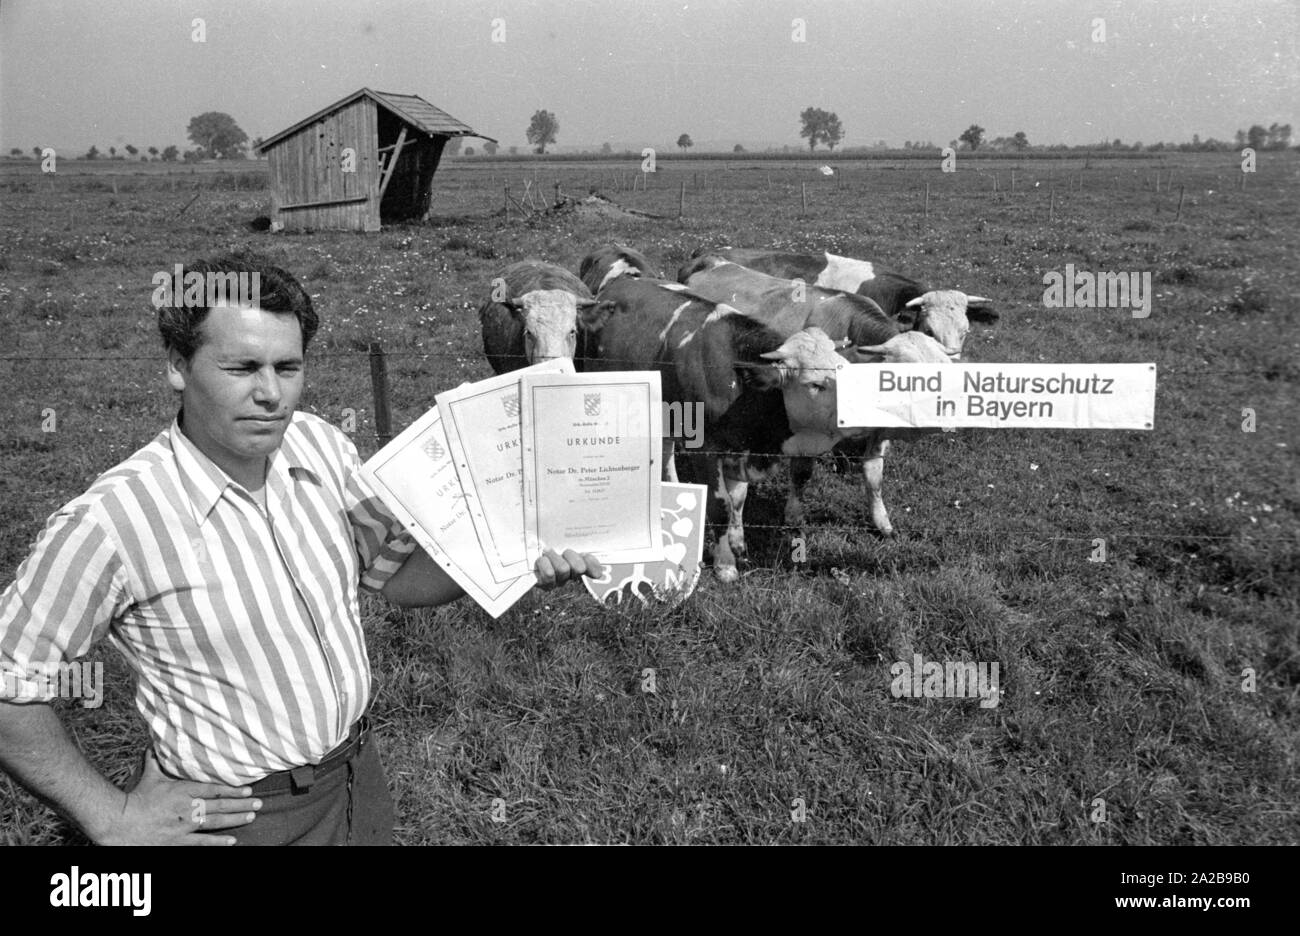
(302, 778)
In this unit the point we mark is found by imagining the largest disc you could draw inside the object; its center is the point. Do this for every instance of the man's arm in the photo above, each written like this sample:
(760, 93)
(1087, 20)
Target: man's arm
(35, 749)
(421, 582)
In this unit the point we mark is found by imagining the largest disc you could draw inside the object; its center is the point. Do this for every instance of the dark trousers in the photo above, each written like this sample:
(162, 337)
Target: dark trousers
(350, 805)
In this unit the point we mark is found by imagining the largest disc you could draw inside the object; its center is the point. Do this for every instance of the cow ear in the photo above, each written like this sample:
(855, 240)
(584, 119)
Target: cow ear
(766, 376)
(871, 354)
(593, 316)
(979, 309)
(912, 314)
(585, 304)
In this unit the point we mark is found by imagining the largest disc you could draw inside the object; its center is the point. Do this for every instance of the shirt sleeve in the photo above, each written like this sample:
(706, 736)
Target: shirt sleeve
(382, 543)
(68, 591)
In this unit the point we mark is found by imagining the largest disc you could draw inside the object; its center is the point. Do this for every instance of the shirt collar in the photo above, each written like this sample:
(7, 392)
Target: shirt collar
(205, 482)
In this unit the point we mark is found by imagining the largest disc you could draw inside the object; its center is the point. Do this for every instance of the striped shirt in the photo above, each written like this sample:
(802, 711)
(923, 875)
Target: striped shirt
(243, 624)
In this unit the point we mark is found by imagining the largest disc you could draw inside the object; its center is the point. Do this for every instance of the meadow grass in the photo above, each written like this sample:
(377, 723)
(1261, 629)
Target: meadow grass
(1122, 680)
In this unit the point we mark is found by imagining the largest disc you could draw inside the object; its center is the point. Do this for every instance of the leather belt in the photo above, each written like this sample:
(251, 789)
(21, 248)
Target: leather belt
(300, 779)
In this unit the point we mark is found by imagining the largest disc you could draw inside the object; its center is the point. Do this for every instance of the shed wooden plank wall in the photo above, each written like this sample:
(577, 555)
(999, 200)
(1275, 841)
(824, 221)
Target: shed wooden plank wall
(306, 168)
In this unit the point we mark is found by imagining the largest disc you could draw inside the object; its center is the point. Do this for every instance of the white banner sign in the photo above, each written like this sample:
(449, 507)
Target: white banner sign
(1032, 396)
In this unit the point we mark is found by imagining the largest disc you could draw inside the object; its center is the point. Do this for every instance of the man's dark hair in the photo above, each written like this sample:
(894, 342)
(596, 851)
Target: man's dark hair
(181, 328)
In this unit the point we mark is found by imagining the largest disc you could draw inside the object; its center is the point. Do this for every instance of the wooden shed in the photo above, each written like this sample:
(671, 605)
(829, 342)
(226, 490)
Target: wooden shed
(395, 143)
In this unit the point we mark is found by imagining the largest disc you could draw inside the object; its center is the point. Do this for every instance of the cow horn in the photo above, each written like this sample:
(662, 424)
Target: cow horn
(777, 355)
(586, 303)
(873, 349)
(977, 300)
(919, 300)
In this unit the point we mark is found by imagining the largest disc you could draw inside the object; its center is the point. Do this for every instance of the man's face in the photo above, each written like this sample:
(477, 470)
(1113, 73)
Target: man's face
(241, 387)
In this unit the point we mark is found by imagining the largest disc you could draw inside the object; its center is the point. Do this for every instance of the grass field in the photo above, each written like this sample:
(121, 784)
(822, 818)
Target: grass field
(1123, 717)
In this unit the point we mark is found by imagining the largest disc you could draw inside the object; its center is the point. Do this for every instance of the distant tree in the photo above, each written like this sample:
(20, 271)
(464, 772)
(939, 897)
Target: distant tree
(453, 146)
(253, 148)
(1279, 136)
(973, 136)
(820, 126)
(132, 150)
(543, 130)
(36, 151)
(1020, 141)
(514, 151)
(737, 148)
(112, 152)
(490, 148)
(684, 142)
(216, 135)
(192, 155)
(16, 153)
(92, 153)
(1257, 137)
(170, 154)
(606, 149)
(1241, 138)
(153, 151)
(469, 151)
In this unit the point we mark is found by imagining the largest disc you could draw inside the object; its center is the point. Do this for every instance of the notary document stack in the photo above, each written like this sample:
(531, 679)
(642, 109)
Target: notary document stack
(540, 458)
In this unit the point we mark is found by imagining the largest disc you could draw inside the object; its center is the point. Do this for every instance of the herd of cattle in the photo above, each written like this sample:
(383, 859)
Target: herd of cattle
(754, 337)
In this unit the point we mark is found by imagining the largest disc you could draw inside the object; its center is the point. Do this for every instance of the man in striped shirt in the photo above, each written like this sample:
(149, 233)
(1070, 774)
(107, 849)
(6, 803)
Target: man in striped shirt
(224, 560)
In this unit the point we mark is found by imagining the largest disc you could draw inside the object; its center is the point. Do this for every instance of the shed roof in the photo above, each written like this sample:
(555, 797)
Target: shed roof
(410, 108)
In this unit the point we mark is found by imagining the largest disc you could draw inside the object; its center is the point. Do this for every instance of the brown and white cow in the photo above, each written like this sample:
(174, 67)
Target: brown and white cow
(532, 315)
(788, 306)
(610, 261)
(810, 358)
(944, 314)
(749, 379)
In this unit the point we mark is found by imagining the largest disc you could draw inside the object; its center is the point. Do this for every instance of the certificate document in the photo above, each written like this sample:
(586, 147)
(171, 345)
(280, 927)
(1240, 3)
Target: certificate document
(592, 452)
(482, 425)
(415, 477)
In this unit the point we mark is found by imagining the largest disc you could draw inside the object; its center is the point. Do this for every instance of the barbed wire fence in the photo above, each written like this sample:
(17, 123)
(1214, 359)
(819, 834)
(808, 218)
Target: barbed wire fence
(974, 528)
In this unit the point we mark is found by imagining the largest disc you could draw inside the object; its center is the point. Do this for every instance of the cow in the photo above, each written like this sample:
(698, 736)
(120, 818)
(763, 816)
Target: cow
(810, 357)
(532, 315)
(610, 261)
(746, 376)
(944, 314)
(788, 306)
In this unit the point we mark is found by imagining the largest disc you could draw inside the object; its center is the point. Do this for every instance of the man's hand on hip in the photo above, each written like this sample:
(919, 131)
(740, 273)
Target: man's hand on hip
(162, 811)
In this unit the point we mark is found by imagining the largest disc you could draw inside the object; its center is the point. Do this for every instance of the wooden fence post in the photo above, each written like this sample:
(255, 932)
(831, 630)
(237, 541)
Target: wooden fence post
(379, 388)
(1182, 190)
(803, 188)
(927, 203)
(681, 201)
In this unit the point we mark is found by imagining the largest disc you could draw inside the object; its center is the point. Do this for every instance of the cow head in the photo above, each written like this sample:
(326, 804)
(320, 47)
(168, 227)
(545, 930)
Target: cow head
(550, 320)
(805, 368)
(945, 315)
(911, 347)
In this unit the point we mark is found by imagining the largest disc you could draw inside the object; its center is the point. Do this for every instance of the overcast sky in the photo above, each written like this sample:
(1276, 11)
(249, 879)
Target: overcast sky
(641, 72)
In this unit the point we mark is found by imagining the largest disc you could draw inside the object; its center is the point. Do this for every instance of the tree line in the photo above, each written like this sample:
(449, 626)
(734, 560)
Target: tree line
(216, 136)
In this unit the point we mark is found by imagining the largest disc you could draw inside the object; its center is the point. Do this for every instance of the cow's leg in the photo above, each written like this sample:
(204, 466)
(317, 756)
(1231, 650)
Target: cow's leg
(801, 471)
(873, 470)
(670, 464)
(731, 543)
